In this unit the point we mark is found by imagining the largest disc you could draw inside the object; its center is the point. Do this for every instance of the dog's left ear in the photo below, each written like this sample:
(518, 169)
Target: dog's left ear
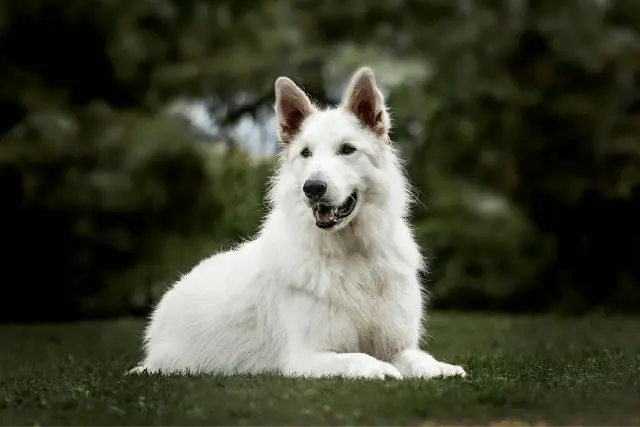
(365, 101)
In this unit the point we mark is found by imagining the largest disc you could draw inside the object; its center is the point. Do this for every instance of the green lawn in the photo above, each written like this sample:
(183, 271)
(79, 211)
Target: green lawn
(541, 370)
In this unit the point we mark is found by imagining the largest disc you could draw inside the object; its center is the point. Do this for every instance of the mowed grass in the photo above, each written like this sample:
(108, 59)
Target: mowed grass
(534, 370)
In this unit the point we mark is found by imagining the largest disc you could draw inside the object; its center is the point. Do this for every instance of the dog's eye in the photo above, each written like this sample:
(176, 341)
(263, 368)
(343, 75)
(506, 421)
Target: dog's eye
(347, 149)
(305, 153)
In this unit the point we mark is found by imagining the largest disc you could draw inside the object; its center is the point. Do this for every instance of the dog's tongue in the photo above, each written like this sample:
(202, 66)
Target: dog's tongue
(325, 214)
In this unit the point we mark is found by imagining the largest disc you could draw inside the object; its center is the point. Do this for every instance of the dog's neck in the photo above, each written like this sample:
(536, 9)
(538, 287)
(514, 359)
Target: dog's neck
(366, 235)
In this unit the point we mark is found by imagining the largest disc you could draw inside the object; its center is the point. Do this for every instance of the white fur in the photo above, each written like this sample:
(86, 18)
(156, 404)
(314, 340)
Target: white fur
(301, 300)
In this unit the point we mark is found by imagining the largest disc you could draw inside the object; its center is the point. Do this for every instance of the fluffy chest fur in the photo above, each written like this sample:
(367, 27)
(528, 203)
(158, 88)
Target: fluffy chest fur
(347, 307)
(346, 297)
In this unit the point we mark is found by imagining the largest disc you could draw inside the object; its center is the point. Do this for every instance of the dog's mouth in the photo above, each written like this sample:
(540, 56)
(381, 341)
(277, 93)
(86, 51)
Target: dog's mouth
(328, 216)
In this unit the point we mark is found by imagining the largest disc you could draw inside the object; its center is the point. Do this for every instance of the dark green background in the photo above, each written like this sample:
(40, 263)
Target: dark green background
(526, 157)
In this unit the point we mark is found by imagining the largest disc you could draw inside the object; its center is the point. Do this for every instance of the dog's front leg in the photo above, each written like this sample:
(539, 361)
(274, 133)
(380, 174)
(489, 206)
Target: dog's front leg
(309, 329)
(417, 363)
(307, 325)
(329, 364)
(401, 319)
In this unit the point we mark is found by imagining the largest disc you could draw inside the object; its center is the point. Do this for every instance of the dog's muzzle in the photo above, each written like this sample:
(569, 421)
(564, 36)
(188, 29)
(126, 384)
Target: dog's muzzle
(328, 216)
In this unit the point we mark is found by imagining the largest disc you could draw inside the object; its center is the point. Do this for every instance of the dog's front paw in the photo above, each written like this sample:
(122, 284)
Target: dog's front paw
(360, 365)
(415, 363)
(433, 369)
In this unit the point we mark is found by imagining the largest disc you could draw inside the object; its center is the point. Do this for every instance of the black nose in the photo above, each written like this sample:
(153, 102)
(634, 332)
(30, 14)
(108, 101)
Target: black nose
(314, 188)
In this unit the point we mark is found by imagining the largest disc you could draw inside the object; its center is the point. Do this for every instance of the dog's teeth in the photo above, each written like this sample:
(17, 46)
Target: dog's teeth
(326, 214)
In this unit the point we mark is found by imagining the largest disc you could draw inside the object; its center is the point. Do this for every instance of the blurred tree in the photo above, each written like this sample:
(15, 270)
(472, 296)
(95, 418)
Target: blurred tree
(547, 118)
(520, 121)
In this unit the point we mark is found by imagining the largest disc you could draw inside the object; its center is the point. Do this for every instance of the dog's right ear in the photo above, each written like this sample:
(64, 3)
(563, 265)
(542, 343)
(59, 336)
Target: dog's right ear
(292, 108)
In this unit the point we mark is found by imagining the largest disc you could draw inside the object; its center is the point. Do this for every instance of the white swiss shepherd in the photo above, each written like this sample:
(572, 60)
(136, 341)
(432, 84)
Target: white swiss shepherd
(329, 286)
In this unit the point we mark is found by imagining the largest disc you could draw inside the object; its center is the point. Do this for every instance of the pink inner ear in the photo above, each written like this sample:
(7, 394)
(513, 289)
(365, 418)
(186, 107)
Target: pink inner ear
(365, 108)
(293, 110)
(293, 122)
(365, 111)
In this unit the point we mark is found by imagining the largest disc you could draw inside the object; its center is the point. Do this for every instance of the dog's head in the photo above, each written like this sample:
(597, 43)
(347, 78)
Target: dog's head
(334, 159)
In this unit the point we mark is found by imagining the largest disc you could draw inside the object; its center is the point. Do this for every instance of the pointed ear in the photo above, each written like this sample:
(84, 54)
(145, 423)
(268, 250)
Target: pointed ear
(292, 108)
(365, 101)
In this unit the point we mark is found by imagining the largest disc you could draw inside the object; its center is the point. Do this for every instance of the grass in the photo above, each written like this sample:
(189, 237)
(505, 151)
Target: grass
(534, 370)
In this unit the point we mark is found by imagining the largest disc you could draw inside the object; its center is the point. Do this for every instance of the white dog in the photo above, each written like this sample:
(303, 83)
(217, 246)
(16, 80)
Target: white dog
(329, 287)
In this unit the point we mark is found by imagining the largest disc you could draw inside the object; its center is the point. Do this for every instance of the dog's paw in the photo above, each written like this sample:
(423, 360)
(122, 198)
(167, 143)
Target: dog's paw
(419, 364)
(360, 365)
(435, 369)
(451, 370)
(138, 370)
